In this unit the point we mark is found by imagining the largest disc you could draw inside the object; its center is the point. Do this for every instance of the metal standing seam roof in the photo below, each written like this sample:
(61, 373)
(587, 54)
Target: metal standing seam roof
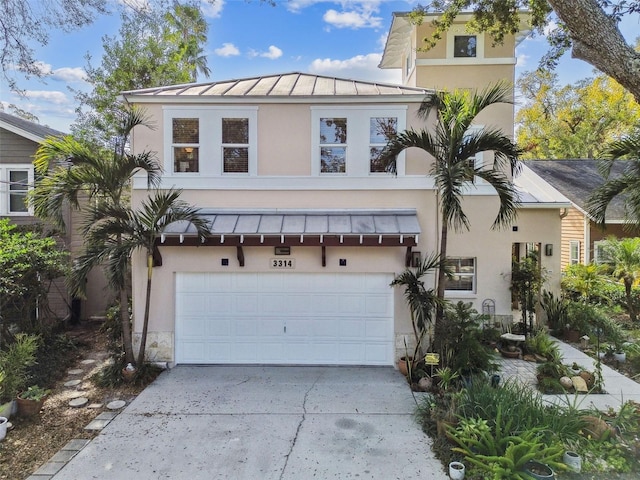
(393, 222)
(295, 84)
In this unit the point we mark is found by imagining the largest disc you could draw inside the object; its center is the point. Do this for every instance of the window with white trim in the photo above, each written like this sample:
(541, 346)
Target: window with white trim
(463, 275)
(381, 130)
(348, 140)
(211, 141)
(185, 144)
(601, 255)
(463, 46)
(574, 252)
(333, 145)
(15, 182)
(235, 145)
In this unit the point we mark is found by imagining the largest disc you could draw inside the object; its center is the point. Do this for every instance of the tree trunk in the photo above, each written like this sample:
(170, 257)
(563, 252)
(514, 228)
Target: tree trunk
(147, 304)
(127, 341)
(439, 323)
(597, 40)
(630, 307)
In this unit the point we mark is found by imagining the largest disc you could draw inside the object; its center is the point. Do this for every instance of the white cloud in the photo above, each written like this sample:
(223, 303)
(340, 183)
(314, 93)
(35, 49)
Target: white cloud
(227, 50)
(361, 16)
(273, 53)
(360, 67)
(211, 8)
(522, 60)
(43, 68)
(50, 96)
(550, 27)
(69, 74)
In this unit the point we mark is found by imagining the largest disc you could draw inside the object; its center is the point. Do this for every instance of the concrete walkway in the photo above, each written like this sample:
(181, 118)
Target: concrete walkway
(619, 388)
(238, 422)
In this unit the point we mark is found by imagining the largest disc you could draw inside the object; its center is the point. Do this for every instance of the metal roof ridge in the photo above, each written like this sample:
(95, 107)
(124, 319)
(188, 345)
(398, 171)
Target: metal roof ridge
(310, 211)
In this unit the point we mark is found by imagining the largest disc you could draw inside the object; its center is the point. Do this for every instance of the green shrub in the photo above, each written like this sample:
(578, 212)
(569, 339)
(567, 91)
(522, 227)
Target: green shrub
(14, 363)
(461, 344)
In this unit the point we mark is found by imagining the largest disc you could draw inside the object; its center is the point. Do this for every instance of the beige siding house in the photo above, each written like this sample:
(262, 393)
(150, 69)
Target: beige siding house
(307, 231)
(581, 236)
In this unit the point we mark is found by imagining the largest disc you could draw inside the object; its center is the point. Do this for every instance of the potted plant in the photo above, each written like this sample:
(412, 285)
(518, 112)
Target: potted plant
(456, 470)
(30, 401)
(14, 363)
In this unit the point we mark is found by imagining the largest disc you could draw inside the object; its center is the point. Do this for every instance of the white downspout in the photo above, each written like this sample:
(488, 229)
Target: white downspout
(587, 240)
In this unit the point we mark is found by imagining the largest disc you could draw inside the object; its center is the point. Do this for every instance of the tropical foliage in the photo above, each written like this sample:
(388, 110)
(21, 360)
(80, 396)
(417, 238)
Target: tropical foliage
(449, 146)
(29, 263)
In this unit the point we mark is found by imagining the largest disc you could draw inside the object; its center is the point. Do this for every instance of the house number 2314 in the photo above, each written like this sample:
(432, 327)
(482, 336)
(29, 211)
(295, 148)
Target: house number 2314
(283, 263)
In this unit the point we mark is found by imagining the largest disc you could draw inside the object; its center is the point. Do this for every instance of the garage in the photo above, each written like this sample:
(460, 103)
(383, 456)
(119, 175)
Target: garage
(284, 318)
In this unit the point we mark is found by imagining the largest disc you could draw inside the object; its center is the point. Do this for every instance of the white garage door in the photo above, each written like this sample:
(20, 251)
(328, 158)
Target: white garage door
(284, 318)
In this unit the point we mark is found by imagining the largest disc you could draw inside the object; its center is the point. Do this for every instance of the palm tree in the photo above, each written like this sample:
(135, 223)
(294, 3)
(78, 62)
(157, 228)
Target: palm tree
(452, 145)
(624, 256)
(90, 179)
(122, 231)
(189, 30)
(421, 301)
(627, 184)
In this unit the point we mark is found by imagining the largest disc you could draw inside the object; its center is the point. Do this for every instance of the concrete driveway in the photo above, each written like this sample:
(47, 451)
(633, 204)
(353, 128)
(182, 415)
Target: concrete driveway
(240, 422)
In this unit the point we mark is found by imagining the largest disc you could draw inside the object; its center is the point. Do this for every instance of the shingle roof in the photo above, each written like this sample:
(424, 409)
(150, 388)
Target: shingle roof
(31, 130)
(577, 179)
(287, 85)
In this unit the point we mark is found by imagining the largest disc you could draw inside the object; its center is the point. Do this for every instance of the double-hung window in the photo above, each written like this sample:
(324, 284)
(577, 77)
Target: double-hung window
(463, 275)
(601, 252)
(333, 145)
(235, 145)
(210, 141)
(186, 145)
(574, 252)
(18, 188)
(381, 130)
(347, 141)
(15, 182)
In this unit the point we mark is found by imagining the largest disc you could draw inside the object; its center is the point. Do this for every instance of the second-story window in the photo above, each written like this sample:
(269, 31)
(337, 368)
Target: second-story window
(465, 46)
(333, 145)
(381, 130)
(235, 145)
(186, 144)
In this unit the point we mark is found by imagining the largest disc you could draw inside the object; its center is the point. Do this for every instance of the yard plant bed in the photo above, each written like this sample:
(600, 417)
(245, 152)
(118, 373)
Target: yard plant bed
(34, 440)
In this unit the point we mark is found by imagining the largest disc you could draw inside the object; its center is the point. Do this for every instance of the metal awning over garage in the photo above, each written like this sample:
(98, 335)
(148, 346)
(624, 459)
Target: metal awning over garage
(286, 228)
(301, 227)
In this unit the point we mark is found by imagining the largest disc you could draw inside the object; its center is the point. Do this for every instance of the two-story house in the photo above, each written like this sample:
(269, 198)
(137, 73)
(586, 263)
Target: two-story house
(307, 230)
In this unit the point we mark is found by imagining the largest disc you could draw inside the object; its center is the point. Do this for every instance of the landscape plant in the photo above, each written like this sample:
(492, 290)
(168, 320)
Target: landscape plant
(15, 361)
(448, 148)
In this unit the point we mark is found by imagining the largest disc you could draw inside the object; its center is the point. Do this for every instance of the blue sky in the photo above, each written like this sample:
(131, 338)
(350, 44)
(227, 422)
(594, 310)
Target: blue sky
(343, 39)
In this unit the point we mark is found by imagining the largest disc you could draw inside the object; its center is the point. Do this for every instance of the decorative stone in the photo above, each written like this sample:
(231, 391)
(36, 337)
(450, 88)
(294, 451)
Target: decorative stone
(78, 402)
(588, 377)
(72, 383)
(579, 384)
(75, 371)
(566, 382)
(88, 361)
(529, 358)
(424, 384)
(116, 404)
(94, 406)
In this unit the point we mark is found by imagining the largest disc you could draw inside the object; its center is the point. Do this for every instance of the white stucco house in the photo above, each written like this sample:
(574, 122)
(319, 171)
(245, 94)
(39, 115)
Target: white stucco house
(307, 231)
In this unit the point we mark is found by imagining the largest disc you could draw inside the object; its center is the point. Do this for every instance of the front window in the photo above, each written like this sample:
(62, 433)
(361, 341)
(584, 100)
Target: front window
(333, 145)
(18, 187)
(186, 145)
(235, 145)
(602, 253)
(464, 46)
(381, 130)
(463, 278)
(574, 252)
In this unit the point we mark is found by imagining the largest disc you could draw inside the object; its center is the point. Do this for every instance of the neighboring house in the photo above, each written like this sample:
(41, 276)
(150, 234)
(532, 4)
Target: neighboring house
(307, 231)
(582, 238)
(19, 140)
